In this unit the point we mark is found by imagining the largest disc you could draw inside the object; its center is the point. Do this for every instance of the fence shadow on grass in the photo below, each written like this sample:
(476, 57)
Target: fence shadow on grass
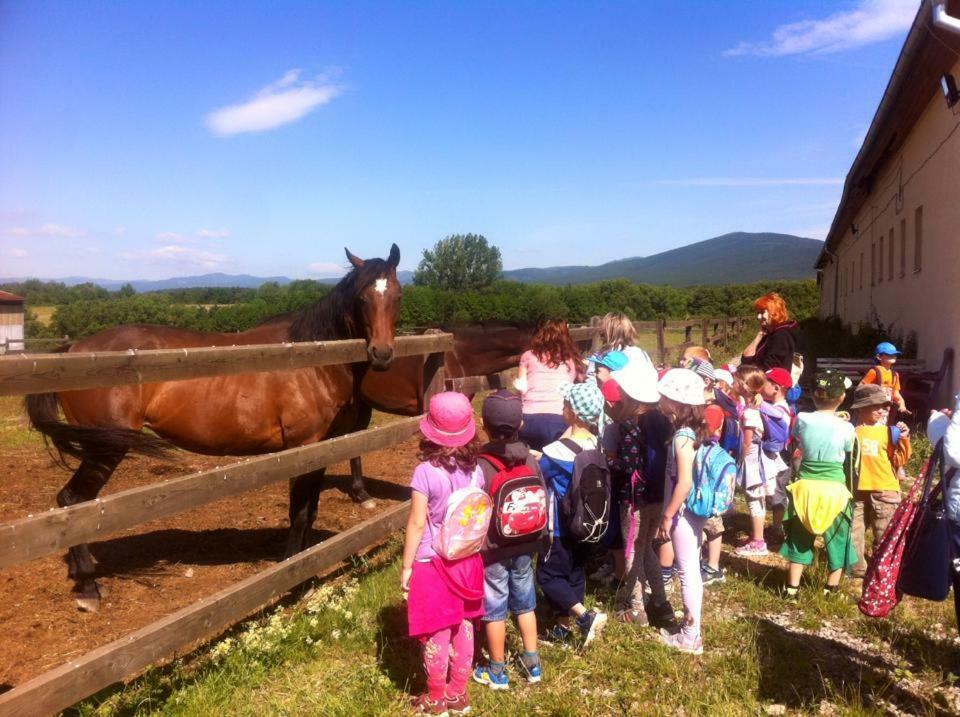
(378, 489)
(919, 648)
(397, 654)
(799, 670)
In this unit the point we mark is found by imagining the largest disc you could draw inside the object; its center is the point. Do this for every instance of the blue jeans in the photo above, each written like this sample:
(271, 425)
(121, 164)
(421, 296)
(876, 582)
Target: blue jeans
(541, 429)
(508, 585)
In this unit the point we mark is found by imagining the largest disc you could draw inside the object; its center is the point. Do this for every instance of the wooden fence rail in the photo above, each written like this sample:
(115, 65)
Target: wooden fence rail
(38, 373)
(60, 528)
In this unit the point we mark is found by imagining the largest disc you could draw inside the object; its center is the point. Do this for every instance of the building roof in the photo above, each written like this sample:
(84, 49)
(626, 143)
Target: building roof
(927, 53)
(7, 298)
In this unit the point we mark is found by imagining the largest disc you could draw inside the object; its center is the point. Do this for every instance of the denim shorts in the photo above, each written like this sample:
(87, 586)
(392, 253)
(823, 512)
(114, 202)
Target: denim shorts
(509, 586)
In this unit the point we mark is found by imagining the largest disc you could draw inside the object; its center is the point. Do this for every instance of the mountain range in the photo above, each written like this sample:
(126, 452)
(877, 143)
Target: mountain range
(736, 258)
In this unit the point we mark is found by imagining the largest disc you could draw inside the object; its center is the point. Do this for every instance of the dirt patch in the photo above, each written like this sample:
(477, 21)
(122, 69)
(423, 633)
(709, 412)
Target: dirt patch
(159, 567)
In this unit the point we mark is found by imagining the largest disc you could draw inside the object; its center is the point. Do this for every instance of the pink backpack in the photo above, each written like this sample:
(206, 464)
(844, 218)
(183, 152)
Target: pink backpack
(465, 523)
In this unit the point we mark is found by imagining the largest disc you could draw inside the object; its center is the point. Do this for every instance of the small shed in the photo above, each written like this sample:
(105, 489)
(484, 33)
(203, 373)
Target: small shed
(11, 322)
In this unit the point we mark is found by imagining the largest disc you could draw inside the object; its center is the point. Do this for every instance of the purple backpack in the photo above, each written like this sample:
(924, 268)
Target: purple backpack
(776, 429)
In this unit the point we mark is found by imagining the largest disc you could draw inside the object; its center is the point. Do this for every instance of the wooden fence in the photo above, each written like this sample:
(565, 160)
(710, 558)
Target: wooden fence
(60, 528)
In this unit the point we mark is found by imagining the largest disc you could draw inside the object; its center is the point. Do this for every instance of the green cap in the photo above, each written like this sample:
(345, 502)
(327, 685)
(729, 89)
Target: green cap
(832, 383)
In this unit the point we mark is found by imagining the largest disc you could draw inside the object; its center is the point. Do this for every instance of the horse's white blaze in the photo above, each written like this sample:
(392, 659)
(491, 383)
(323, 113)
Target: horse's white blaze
(380, 286)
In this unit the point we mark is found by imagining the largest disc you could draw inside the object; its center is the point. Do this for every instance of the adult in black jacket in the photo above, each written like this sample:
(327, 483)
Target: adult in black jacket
(776, 341)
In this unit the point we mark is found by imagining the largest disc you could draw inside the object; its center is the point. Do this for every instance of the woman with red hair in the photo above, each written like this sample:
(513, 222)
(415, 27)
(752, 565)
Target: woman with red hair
(551, 361)
(776, 341)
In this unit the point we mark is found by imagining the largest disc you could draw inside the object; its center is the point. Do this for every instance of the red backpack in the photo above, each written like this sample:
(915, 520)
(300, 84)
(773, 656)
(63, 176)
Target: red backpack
(519, 503)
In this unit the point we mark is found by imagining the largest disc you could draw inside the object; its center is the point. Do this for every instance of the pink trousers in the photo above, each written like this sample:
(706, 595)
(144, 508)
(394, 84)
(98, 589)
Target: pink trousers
(447, 659)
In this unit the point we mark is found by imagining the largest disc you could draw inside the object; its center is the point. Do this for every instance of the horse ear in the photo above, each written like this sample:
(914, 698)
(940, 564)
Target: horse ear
(394, 257)
(355, 260)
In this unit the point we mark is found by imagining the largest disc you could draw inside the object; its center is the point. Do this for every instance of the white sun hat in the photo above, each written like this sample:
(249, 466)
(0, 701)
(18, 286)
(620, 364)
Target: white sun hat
(639, 381)
(683, 386)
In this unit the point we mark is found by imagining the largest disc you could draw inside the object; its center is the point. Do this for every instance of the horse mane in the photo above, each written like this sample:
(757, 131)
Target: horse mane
(331, 318)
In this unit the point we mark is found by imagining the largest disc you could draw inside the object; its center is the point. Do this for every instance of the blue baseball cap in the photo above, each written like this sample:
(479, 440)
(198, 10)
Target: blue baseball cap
(886, 348)
(613, 360)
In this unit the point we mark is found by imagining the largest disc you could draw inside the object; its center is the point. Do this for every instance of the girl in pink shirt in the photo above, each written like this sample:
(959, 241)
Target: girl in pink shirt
(552, 360)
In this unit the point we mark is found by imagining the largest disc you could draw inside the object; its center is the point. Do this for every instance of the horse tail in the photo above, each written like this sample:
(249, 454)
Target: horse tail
(43, 411)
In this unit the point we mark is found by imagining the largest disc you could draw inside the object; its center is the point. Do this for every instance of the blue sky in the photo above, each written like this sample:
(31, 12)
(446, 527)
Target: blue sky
(147, 140)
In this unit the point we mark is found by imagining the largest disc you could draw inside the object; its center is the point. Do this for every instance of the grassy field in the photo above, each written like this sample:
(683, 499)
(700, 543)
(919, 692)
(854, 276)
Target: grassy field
(341, 650)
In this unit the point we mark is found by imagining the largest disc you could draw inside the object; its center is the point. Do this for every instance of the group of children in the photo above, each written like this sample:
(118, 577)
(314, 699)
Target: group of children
(653, 457)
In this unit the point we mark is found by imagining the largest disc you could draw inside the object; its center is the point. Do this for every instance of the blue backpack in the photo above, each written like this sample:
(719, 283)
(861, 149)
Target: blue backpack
(714, 481)
(776, 430)
(731, 439)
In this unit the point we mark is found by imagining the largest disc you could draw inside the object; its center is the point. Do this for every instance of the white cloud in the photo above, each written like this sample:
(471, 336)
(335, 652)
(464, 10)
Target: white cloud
(868, 22)
(18, 253)
(322, 268)
(120, 231)
(750, 182)
(213, 233)
(285, 101)
(48, 230)
(170, 237)
(183, 256)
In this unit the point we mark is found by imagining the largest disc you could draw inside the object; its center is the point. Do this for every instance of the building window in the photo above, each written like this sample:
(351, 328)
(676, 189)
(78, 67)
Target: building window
(873, 264)
(918, 240)
(903, 247)
(880, 257)
(890, 262)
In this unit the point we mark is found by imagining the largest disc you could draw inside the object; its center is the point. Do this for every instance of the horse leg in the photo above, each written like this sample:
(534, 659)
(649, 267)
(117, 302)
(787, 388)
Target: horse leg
(358, 490)
(304, 501)
(94, 472)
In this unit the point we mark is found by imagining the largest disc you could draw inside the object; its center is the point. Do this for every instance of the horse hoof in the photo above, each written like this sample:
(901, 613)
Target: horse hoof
(369, 504)
(88, 604)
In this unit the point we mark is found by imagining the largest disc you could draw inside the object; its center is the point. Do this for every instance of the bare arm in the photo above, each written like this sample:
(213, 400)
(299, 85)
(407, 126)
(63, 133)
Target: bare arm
(684, 452)
(751, 349)
(415, 526)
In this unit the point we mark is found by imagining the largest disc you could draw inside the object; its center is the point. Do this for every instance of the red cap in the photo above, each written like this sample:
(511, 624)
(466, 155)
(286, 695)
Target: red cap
(713, 415)
(781, 377)
(611, 391)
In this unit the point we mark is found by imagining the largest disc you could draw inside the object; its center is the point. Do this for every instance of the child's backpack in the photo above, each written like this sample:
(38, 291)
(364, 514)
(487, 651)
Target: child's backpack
(586, 506)
(776, 429)
(465, 523)
(519, 499)
(714, 481)
(731, 437)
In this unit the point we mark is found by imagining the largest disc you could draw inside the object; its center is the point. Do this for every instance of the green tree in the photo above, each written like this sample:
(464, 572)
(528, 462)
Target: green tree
(461, 262)
(126, 291)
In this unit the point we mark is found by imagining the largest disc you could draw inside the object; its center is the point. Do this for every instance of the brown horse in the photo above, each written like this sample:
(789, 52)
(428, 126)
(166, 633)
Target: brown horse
(478, 350)
(242, 414)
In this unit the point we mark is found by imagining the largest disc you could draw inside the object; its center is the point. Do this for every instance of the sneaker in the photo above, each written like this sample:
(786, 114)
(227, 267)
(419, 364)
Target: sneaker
(495, 681)
(790, 594)
(459, 705)
(711, 575)
(601, 573)
(591, 624)
(833, 592)
(633, 617)
(557, 635)
(662, 615)
(755, 548)
(692, 646)
(534, 673)
(423, 705)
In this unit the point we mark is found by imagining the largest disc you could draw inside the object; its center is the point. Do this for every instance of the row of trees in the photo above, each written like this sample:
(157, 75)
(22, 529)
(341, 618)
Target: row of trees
(426, 306)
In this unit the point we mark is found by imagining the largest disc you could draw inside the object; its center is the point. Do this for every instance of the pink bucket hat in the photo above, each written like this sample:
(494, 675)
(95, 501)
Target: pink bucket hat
(449, 421)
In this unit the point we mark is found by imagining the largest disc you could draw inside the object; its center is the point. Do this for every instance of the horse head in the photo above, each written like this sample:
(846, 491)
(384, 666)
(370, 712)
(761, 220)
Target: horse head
(376, 304)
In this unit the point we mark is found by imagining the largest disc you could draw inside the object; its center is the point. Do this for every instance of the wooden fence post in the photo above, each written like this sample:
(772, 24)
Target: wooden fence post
(726, 330)
(661, 341)
(433, 377)
(705, 333)
(597, 342)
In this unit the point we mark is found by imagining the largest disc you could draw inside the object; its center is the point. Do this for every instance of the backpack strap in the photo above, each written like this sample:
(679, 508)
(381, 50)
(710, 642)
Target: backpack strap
(494, 461)
(575, 447)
